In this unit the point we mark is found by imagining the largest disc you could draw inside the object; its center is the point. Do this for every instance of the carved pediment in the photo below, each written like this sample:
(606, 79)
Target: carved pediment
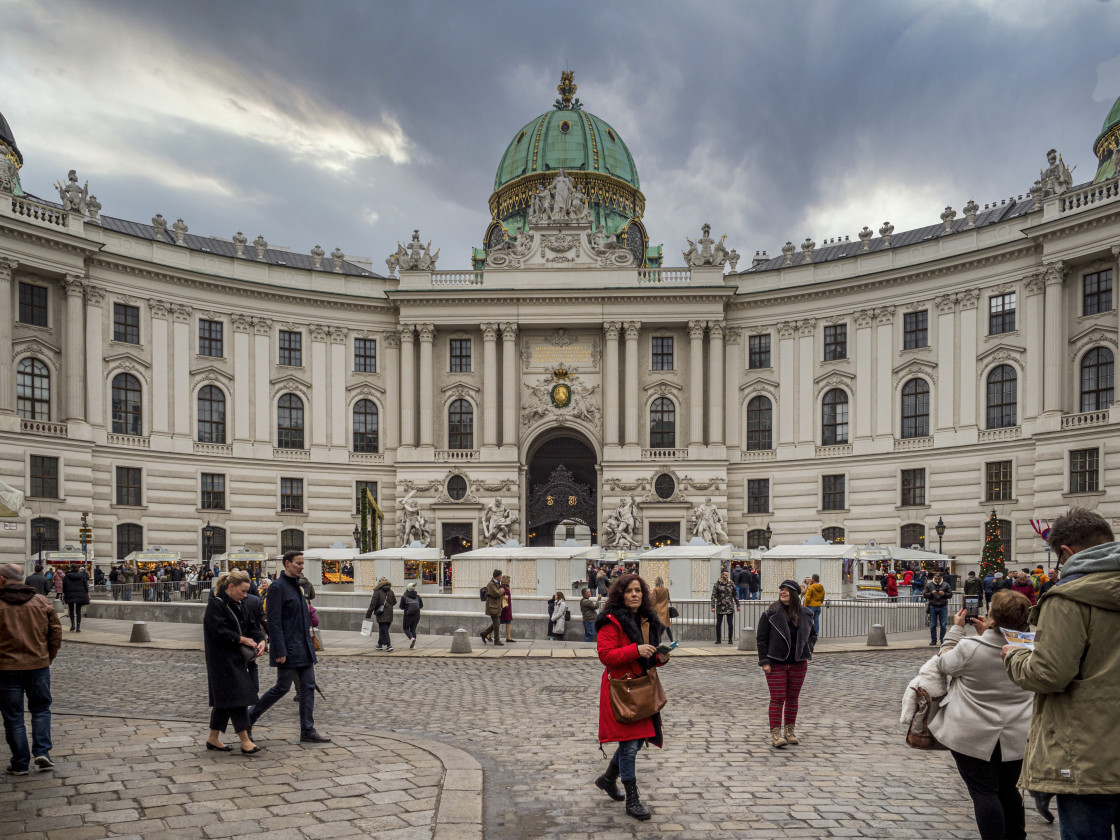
(1004, 349)
(915, 367)
(461, 388)
(1090, 337)
(365, 389)
(34, 347)
(290, 382)
(124, 356)
(663, 387)
(212, 372)
(835, 379)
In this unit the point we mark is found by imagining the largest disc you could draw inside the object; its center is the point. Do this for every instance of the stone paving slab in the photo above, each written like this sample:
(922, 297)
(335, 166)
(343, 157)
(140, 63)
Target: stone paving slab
(177, 636)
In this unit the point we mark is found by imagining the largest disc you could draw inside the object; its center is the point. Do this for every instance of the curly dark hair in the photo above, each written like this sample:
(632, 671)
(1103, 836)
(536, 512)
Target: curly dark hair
(615, 599)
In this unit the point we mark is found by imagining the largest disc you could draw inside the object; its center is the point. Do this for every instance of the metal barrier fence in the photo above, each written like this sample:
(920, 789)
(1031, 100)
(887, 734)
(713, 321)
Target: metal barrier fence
(839, 618)
(160, 591)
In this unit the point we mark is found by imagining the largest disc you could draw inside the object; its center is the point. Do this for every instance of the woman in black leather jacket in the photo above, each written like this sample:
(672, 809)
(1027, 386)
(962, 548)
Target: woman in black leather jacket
(786, 638)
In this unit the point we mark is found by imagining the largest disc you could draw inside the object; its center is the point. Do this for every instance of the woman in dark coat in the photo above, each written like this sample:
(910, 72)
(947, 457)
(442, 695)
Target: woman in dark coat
(411, 604)
(381, 606)
(628, 634)
(786, 638)
(75, 594)
(227, 676)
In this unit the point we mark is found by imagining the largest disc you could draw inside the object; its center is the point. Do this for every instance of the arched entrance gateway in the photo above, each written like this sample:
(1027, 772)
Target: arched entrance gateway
(561, 481)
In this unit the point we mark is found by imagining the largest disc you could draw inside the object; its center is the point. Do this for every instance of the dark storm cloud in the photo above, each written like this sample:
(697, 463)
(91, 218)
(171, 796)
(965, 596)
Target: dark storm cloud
(351, 123)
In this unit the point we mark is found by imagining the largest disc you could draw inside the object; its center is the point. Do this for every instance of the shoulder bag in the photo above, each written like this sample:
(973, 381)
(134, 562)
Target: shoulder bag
(918, 735)
(248, 652)
(636, 698)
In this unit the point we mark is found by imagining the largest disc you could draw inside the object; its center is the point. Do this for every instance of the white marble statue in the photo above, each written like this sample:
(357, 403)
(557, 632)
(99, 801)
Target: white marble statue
(706, 251)
(559, 202)
(72, 196)
(623, 526)
(416, 257)
(414, 525)
(498, 524)
(707, 523)
(1056, 177)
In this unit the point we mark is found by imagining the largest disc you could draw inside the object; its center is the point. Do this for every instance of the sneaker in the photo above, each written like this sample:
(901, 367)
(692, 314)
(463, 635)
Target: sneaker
(389, 649)
(412, 645)
(380, 647)
(933, 644)
(43, 762)
(11, 771)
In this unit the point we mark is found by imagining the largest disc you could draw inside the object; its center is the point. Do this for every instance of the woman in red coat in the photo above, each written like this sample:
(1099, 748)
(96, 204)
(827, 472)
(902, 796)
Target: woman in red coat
(892, 586)
(628, 636)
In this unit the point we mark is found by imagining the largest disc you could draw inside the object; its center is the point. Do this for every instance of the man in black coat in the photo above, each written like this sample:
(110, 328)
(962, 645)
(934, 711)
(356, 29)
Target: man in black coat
(39, 582)
(291, 651)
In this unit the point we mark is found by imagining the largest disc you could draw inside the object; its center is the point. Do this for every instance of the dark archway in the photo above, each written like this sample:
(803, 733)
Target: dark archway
(562, 481)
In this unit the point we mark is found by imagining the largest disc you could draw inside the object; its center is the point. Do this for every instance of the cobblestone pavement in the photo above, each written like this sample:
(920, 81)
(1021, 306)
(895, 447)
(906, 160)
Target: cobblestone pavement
(532, 726)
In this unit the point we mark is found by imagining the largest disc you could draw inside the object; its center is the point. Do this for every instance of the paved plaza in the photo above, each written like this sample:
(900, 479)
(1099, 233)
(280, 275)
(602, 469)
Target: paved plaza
(408, 732)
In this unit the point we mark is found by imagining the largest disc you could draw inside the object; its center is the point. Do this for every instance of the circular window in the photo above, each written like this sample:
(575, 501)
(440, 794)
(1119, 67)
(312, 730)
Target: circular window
(664, 486)
(565, 127)
(456, 487)
(610, 134)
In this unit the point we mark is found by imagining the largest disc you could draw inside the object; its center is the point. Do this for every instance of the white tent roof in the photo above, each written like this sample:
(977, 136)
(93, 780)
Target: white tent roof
(910, 554)
(330, 554)
(240, 554)
(795, 552)
(523, 552)
(401, 554)
(153, 555)
(696, 552)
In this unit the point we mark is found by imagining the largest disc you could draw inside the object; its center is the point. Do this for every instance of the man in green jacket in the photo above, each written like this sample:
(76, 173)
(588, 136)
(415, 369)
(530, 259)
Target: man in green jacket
(1073, 749)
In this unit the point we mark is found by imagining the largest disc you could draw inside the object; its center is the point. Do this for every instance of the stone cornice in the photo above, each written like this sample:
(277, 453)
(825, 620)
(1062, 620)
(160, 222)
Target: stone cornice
(60, 240)
(576, 296)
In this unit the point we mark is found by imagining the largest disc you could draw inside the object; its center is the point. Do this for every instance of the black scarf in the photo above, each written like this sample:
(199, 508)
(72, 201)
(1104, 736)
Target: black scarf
(631, 626)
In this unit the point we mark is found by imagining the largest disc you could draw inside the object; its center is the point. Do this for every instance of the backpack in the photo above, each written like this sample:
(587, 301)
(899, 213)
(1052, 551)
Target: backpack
(482, 594)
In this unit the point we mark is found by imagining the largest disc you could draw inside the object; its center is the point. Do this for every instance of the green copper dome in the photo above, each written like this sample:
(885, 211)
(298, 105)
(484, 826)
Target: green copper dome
(1107, 146)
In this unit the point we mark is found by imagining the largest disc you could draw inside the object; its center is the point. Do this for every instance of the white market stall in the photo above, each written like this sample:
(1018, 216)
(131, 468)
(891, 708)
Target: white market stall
(533, 570)
(690, 571)
(150, 558)
(60, 560)
(797, 562)
(423, 566)
(327, 566)
(248, 560)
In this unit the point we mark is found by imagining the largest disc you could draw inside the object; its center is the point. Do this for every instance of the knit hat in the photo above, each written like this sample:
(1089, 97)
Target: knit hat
(998, 575)
(792, 585)
(411, 586)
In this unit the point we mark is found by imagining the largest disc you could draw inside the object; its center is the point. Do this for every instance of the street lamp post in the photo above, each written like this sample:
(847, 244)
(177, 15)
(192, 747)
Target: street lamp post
(207, 535)
(40, 531)
(357, 538)
(940, 529)
(768, 533)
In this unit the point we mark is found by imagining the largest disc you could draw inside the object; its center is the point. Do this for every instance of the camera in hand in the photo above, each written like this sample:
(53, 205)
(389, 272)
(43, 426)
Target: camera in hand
(972, 607)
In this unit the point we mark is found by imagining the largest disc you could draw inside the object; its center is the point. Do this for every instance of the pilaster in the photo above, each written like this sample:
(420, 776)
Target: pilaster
(95, 298)
(610, 382)
(864, 319)
(715, 385)
(968, 301)
(1054, 275)
(242, 378)
(633, 328)
(339, 412)
(319, 380)
(806, 402)
(696, 383)
(161, 369)
(408, 386)
(489, 385)
(510, 391)
(733, 362)
(181, 367)
(946, 363)
(7, 297)
(884, 397)
(787, 381)
(1034, 314)
(392, 344)
(426, 333)
(262, 364)
(73, 286)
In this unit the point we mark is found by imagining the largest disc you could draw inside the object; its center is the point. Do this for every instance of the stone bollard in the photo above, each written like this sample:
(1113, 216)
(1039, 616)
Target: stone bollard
(877, 637)
(140, 632)
(747, 639)
(461, 642)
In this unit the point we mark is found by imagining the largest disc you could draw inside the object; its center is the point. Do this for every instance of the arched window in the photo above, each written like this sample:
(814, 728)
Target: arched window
(760, 424)
(215, 545)
(33, 390)
(834, 418)
(833, 535)
(130, 538)
(211, 415)
(912, 535)
(128, 416)
(44, 534)
(1096, 379)
(756, 538)
(915, 409)
(291, 539)
(662, 424)
(365, 426)
(1003, 388)
(289, 422)
(460, 425)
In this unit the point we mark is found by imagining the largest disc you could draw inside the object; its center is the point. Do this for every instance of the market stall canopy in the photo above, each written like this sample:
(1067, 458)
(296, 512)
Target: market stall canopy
(244, 554)
(916, 554)
(525, 552)
(402, 554)
(334, 554)
(54, 558)
(797, 552)
(153, 555)
(688, 552)
(11, 500)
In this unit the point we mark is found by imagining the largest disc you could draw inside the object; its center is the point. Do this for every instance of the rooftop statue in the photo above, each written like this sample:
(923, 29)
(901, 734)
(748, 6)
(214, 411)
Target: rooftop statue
(416, 257)
(706, 251)
(72, 196)
(561, 201)
(1057, 177)
(510, 252)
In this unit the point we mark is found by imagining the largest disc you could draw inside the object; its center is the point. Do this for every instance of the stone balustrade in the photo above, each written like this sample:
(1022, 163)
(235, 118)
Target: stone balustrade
(665, 454)
(213, 448)
(367, 458)
(291, 454)
(456, 455)
(43, 213)
(42, 427)
(753, 455)
(1085, 418)
(910, 444)
(834, 451)
(1008, 433)
(1094, 194)
(131, 441)
(677, 276)
(456, 278)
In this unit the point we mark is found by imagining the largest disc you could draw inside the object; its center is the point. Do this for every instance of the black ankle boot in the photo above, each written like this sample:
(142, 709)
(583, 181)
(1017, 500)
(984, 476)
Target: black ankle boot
(608, 783)
(634, 806)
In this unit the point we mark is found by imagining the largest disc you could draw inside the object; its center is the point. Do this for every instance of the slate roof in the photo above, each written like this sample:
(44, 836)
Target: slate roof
(839, 250)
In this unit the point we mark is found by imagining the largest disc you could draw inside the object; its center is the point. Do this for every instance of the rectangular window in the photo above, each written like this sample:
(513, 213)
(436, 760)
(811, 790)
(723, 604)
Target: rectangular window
(1001, 314)
(759, 356)
(128, 486)
(365, 355)
(460, 355)
(359, 486)
(126, 323)
(913, 487)
(1084, 471)
(662, 352)
(213, 491)
(997, 481)
(915, 329)
(1098, 292)
(44, 477)
(291, 348)
(758, 495)
(832, 492)
(835, 342)
(210, 338)
(32, 305)
(291, 495)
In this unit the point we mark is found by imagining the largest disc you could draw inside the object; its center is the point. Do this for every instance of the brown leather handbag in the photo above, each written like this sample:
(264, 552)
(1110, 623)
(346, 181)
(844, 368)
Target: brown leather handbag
(918, 735)
(637, 698)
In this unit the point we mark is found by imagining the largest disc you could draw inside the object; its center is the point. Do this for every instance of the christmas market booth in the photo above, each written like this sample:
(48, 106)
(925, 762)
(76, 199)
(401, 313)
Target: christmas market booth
(533, 570)
(690, 571)
(332, 567)
(250, 560)
(426, 567)
(149, 559)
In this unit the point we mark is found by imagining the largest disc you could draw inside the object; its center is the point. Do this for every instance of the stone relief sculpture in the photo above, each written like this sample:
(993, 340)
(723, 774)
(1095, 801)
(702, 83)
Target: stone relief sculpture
(498, 523)
(1056, 178)
(72, 196)
(623, 526)
(416, 257)
(539, 403)
(414, 525)
(559, 202)
(706, 251)
(511, 252)
(9, 172)
(707, 523)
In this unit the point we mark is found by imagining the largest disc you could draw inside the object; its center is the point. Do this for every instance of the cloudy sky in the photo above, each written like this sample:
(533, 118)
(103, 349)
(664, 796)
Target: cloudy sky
(351, 123)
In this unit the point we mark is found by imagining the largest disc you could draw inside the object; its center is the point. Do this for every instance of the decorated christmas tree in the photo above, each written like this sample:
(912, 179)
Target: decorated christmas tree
(991, 561)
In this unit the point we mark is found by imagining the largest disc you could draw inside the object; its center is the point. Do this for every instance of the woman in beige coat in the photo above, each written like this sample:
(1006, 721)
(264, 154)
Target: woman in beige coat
(985, 717)
(659, 602)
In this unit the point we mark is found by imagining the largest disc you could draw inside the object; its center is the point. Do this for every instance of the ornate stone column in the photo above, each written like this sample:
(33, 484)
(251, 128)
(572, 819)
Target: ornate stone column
(7, 385)
(787, 382)
(510, 391)
(489, 384)
(95, 381)
(181, 366)
(946, 364)
(408, 385)
(610, 383)
(338, 388)
(715, 386)
(696, 383)
(884, 397)
(864, 319)
(427, 334)
(262, 389)
(74, 288)
(318, 370)
(1054, 273)
(161, 369)
(633, 328)
(392, 344)
(733, 356)
(1034, 324)
(242, 378)
(967, 371)
(806, 402)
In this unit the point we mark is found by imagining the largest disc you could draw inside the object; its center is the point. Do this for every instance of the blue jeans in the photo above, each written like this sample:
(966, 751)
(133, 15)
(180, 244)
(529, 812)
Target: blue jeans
(755, 595)
(915, 593)
(744, 593)
(284, 678)
(589, 631)
(1088, 817)
(36, 684)
(625, 757)
(937, 616)
(816, 619)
